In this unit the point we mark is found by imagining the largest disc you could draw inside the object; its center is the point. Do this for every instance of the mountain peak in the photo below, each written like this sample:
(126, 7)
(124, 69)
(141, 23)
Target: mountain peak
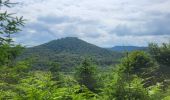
(73, 45)
(70, 38)
(63, 39)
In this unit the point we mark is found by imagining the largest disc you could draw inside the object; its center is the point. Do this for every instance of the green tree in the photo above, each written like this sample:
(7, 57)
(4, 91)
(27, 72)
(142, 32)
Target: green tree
(9, 24)
(86, 75)
(9, 54)
(140, 63)
(55, 70)
(36, 86)
(131, 78)
(160, 53)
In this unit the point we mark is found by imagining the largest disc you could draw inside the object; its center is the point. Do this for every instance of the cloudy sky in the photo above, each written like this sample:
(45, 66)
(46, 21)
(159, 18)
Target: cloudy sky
(105, 23)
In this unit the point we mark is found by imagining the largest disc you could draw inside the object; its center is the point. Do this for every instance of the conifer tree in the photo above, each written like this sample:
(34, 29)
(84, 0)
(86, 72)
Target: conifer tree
(86, 75)
(9, 24)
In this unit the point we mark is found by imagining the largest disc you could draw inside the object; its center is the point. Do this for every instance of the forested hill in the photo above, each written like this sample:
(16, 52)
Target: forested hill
(69, 52)
(75, 46)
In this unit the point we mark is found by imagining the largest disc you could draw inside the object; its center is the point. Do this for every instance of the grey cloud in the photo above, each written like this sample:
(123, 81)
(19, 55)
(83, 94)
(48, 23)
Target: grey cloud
(155, 26)
(160, 26)
(35, 33)
(82, 29)
(73, 26)
(52, 19)
(44, 29)
(39, 27)
(62, 18)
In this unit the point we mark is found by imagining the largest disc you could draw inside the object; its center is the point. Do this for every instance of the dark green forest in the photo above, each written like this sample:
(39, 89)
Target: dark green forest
(72, 69)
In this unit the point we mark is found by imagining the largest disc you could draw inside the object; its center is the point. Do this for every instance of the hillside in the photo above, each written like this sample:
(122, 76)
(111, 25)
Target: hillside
(127, 48)
(69, 52)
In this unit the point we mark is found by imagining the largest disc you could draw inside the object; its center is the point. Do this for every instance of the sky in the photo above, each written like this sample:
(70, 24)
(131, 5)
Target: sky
(105, 23)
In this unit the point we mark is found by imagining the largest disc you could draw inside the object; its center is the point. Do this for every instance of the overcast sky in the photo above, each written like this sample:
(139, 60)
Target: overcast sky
(105, 23)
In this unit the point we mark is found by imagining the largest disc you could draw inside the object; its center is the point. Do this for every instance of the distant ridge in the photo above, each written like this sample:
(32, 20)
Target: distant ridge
(127, 48)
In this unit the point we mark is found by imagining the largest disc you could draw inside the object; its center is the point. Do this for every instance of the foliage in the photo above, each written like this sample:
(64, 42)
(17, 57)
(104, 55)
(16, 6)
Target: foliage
(141, 64)
(86, 75)
(167, 94)
(8, 25)
(161, 53)
(132, 90)
(9, 54)
(119, 83)
(36, 86)
(138, 62)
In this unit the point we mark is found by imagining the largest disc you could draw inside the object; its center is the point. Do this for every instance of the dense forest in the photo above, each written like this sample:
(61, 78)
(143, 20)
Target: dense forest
(71, 69)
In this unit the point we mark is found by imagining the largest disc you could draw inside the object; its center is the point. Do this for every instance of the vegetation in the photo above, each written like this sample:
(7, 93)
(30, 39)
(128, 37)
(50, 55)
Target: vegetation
(68, 53)
(86, 75)
(133, 78)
